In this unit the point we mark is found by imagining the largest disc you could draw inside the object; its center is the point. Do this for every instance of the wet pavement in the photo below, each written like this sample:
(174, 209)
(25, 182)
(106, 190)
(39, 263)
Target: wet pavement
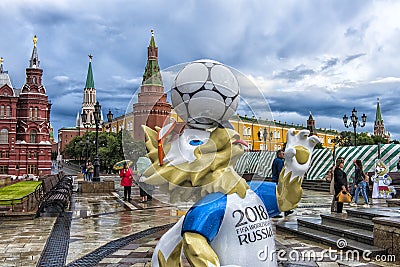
(106, 231)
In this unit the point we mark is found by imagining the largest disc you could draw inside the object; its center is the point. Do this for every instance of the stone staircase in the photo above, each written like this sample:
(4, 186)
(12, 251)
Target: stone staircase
(316, 185)
(355, 227)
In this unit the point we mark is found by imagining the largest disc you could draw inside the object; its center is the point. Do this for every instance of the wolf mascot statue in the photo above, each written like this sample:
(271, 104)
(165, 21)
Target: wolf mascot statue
(229, 225)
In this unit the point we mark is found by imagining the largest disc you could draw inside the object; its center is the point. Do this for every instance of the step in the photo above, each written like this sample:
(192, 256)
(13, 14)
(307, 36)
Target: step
(369, 213)
(316, 188)
(327, 238)
(354, 233)
(344, 219)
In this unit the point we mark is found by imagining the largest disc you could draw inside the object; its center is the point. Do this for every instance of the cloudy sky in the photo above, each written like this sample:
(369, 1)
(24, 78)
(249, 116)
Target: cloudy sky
(320, 56)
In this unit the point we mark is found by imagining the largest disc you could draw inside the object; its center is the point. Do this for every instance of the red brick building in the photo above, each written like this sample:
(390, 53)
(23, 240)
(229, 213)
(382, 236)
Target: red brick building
(25, 146)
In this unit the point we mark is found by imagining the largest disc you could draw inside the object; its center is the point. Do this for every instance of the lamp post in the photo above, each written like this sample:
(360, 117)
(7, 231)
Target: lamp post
(109, 120)
(270, 139)
(355, 122)
(265, 136)
(86, 124)
(97, 118)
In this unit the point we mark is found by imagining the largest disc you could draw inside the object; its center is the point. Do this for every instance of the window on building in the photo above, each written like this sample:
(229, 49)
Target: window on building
(3, 169)
(130, 126)
(262, 147)
(114, 129)
(329, 140)
(6, 154)
(2, 111)
(32, 169)
(244, 130)
(8, 112)
(32, 136)
(30, 113)
(248, 131)
(4, 136)
(35, 113)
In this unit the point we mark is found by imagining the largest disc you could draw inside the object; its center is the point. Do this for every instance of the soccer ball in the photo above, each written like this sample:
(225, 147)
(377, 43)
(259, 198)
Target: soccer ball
(205, 94)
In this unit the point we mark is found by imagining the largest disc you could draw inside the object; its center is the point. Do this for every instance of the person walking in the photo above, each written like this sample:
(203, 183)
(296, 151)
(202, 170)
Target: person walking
(146, 190)
(126, 181)
(277, 166)
(340, 182)
(360, 183)
(83, 170)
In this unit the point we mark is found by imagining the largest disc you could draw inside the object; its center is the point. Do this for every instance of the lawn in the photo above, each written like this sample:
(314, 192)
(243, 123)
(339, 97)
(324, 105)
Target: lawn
(17, 191)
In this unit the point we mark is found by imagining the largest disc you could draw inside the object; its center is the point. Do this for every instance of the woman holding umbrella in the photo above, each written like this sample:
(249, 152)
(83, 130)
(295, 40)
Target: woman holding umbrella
(126, 181)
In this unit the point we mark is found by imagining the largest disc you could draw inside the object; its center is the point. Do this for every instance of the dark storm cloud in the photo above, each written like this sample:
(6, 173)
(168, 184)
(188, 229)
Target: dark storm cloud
(294, 74)
(352, 57)
(324, 57)
(329, 63)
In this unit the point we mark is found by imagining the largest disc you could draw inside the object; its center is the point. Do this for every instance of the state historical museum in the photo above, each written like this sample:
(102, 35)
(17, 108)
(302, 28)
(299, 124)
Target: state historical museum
(25, 146)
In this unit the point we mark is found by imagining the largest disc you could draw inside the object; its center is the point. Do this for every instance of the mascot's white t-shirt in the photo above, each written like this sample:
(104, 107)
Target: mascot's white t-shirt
(239, 230)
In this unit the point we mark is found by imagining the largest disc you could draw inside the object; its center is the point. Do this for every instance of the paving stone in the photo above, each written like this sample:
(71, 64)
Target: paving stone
(110, 260)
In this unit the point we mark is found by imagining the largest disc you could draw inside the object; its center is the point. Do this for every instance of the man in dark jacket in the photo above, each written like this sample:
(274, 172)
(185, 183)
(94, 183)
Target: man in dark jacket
(277, 165)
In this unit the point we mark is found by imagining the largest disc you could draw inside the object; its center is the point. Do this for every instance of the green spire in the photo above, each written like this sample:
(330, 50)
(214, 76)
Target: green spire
(152, 42)
(152, 75)
(378, 113)
(89, 78)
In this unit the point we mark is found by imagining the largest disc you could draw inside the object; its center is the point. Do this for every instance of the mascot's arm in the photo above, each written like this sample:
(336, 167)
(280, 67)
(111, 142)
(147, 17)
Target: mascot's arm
(298, 153)
(288, 192)
(197, 250)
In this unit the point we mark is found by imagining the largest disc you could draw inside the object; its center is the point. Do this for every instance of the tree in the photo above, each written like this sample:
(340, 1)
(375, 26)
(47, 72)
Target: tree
(110, 148)
(346, 138)
(133, 149)
(379, 139)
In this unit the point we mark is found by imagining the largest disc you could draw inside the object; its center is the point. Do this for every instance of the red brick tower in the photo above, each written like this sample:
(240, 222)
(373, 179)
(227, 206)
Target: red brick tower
(152, 108)
(33, 145)
(311, 125)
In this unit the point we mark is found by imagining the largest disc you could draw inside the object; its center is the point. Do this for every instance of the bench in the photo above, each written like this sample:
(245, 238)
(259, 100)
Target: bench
(56, 193)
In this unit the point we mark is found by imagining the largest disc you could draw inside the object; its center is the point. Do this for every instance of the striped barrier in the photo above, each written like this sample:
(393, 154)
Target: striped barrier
(322, 159)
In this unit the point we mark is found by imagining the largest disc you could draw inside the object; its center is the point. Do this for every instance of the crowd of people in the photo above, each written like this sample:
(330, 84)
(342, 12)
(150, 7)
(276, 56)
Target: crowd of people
(88, 171)
(341, 185)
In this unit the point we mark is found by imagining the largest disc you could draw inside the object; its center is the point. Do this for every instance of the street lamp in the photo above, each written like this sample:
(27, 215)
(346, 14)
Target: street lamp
(263, 135)
(109, 120)
(109, 116)
(97, 118)
(354, 121)
(86, 124)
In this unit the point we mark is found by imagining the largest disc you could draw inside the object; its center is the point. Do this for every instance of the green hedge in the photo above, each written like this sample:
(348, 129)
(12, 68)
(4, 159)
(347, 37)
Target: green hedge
(17, 191)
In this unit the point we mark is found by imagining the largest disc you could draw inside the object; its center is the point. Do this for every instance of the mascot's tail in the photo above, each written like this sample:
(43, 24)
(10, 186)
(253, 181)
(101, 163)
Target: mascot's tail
(169, 249)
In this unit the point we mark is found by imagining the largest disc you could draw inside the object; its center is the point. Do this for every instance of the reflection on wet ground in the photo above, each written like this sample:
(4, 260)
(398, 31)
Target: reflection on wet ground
(98, 219)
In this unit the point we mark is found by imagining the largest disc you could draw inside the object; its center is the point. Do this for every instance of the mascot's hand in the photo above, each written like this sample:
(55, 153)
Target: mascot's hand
(298, 153)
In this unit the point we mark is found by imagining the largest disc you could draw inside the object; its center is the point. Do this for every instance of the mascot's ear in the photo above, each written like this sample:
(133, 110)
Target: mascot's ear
(151, 136)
